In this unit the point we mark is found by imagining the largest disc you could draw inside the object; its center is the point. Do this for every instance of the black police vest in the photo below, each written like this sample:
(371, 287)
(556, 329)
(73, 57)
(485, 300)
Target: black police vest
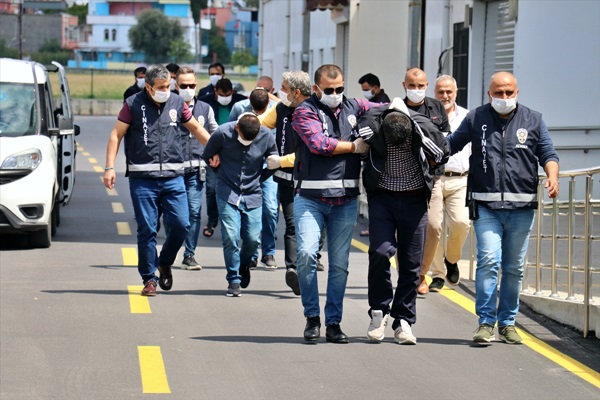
(153, 141)
(286, 143)
(503, 170)
(192, 147)
(329, 176)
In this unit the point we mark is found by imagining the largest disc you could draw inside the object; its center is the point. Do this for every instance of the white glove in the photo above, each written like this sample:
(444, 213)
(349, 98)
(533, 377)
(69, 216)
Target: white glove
(360, 147)
(273, 162)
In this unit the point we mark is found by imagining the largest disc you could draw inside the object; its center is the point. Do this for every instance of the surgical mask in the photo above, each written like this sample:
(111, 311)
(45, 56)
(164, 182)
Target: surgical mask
(368, 95)
(140, 82)
(224, 100)
(283, 96)
(416, 96)
(214, 79)
(187, 94)
(504, 106)
(172, 87)
(244, 142)
(161, 97)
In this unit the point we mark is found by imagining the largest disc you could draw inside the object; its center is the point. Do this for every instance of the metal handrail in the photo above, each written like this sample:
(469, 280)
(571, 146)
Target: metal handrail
(572, 206)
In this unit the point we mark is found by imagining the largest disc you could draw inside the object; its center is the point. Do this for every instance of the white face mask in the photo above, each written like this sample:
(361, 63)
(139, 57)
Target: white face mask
(140, 82)
(244, 142)
(224, 100)
(368, 95)
(172, 87)
(416, 96)
(161, 97)
(214, 79)
(187, 94)
(504, 106)
(283, 96)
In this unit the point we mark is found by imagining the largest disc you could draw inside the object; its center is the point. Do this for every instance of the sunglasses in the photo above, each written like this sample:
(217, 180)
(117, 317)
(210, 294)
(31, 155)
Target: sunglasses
(329, 91)
(187, 86)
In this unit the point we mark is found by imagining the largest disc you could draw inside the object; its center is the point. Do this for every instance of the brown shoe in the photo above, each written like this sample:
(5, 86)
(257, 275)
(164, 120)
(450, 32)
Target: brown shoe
(149, 288)
(422, 288)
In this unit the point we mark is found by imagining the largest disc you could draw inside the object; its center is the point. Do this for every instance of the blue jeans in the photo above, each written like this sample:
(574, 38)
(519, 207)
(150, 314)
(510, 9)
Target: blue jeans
(212, 210)
(194, 188)
(310, 215)
(502, 239)
(270, 209)
(149, 195)
(238, 223)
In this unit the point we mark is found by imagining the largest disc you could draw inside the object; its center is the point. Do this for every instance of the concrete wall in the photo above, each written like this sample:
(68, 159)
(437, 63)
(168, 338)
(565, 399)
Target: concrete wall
(96, 107)
(36, 30)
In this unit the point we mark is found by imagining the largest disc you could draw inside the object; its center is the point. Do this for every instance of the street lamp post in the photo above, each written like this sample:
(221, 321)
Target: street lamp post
(92, 83)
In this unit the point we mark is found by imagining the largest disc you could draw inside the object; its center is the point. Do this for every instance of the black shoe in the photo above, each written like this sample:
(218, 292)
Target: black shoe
(452, 273)
(334, 334)
(253, 264)
(291, 279)
(436, 285)
(165, 278)
(245, 273)
(312, 331)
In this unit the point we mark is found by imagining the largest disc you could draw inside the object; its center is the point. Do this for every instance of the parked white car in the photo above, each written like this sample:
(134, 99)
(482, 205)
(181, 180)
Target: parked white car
(37, 149)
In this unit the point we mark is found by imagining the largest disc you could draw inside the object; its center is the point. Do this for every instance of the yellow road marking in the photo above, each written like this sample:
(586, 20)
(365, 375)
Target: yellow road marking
(111, 192)
(123, 228)
(537, 345)
(138, 304)
(92, 160)
(152, 369)
(130, 257)
(117, 208)
(98, 168)
(85, 153)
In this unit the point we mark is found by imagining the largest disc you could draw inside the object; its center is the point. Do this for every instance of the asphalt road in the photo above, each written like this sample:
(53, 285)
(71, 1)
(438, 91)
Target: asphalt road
(70, 329)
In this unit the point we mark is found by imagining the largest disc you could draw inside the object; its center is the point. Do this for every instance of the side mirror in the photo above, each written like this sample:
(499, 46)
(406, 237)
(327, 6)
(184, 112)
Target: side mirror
(77, 130)
(53, 132)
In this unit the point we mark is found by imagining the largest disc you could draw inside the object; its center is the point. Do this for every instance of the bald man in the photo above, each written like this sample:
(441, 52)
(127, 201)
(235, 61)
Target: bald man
(508, 142)
(415, 85)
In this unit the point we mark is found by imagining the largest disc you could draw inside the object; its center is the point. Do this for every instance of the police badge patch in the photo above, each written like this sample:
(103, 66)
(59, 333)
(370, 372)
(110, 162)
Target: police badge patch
(352, 120)
(173, 115)
(522, 135)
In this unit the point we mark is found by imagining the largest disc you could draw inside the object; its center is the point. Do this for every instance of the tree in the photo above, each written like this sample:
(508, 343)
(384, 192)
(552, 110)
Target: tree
(243, 58)
(180, 52)
(153, 35)
(79, 10)
(218, 46)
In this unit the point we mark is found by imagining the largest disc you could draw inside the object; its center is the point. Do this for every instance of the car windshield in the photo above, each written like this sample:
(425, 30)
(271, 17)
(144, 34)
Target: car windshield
(17, 109)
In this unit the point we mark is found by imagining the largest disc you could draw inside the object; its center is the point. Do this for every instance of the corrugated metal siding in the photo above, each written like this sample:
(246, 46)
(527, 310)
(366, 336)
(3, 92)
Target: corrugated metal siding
(499, 47)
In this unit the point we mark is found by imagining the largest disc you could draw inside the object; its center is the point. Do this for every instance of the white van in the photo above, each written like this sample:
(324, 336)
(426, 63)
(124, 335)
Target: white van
(37, 149)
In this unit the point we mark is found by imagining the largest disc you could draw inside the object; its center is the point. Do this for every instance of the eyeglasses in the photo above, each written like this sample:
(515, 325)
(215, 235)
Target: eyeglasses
(187, 86)
(329, 91)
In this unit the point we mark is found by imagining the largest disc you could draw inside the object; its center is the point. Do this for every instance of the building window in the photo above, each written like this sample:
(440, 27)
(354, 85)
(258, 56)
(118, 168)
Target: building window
(460, 62)
(114, 35)
(106, 37)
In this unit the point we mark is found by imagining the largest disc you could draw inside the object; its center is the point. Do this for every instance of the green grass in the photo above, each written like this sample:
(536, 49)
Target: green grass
(110, 86)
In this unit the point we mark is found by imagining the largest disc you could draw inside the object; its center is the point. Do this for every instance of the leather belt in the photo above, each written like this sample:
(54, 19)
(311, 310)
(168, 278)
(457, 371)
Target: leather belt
(451, 173)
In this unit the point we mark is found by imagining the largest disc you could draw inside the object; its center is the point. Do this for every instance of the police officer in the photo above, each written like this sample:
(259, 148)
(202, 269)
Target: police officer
(149, 122)
(508, 142)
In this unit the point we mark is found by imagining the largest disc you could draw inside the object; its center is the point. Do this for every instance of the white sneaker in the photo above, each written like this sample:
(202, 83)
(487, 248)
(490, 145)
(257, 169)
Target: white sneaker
(403, 334)
(377, 326)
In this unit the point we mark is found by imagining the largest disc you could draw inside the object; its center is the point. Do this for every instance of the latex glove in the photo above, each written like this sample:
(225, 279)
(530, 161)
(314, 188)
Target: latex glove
(273, 162)
(360, 147)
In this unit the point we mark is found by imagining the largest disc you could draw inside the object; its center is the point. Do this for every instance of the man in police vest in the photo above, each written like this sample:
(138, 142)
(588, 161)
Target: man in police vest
(327, 169)
(149, 121)
(295, 88)
(508, 141)
(195, 169)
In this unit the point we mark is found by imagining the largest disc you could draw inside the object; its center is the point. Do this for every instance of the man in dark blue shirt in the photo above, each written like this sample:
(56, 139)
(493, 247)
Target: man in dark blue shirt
(241, 147)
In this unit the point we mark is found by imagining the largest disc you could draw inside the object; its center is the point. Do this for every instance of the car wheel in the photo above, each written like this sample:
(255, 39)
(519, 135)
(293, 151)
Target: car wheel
(41, 239)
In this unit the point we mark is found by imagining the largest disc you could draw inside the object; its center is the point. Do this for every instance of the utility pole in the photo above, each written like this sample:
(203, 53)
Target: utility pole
(20, 23)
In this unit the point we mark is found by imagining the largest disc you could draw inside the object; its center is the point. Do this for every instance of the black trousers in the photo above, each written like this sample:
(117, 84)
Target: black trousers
(286, 198)
(397, 225)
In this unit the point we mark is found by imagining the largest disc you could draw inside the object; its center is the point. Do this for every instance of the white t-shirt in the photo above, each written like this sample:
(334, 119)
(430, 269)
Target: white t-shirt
(459, 162)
